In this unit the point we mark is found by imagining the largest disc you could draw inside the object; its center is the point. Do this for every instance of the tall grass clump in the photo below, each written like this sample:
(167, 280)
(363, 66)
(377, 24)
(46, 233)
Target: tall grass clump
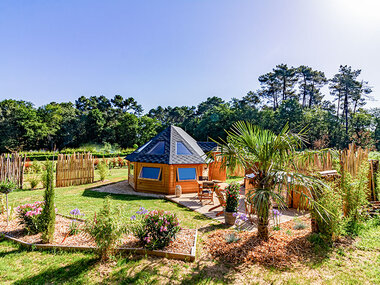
(328, 212)
(355, 197)
(48, 213)
(106, 229)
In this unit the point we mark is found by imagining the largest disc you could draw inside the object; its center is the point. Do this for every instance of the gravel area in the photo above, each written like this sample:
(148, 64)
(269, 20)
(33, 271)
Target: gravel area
(182, 244)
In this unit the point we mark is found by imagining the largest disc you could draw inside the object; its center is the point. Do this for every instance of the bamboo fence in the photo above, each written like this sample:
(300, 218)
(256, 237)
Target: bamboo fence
(12, 168)
(75, 169)
(352, 158)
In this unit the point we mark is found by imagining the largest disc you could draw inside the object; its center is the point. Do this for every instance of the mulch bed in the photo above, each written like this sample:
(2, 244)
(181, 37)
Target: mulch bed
(284, 248)
(182, 244)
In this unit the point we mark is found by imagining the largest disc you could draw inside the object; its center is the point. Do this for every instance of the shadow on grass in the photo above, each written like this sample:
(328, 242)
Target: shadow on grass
(122, 197)
(68, 273)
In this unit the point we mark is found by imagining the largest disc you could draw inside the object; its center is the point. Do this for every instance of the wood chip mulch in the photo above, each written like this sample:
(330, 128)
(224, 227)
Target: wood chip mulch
(284, 248)
(182, 244)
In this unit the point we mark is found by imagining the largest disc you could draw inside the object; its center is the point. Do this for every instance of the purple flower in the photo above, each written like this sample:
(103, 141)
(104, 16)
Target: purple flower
(133, 217)
(76, 212)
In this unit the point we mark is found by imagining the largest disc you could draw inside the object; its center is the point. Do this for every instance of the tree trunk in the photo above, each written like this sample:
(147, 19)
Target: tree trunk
(263, 228)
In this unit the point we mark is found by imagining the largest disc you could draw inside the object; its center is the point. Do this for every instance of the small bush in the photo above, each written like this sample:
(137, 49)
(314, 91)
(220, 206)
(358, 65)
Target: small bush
(30, 216)
(299, 226)
(232, 197)
(232, 237)
(36, 167)
(154, 229)
(103, 170)
(33, 180)
(328, 211)
(106, 229)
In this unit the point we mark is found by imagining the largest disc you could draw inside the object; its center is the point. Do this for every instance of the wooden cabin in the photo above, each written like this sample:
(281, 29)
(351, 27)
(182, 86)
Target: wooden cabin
(173, 158)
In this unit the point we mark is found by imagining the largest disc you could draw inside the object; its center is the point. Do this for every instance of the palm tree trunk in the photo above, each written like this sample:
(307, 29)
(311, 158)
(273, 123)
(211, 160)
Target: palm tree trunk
(263, 228)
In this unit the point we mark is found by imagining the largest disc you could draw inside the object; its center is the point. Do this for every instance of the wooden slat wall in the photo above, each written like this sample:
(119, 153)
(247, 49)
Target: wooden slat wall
(168, 181)
(352, 158)
(12, 168)
(75, 169)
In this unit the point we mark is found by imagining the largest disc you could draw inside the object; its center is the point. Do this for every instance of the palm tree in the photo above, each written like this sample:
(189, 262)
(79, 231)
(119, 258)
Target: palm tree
(273, 159)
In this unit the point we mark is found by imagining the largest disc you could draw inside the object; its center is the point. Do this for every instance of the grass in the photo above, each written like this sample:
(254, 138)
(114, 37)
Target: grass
(233, 179)
(68, 198)
(345, 265)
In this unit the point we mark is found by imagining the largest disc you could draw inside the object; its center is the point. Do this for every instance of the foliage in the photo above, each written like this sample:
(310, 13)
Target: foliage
(103, 170)
(231, 238)
(48, 212)
(271, 158)
(31, 217)
(328, 211)
(232, 197)
(33, 180)
(106, 229)
(7, 186)
(299, 225)
(355, 196)
(155, 229)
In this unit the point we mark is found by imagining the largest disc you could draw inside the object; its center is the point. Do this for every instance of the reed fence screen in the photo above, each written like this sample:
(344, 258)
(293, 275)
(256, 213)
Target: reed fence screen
(75, 169)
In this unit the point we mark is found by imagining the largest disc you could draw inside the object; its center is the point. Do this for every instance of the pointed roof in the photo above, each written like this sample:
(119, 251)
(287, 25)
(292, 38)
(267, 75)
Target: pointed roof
(163, 149)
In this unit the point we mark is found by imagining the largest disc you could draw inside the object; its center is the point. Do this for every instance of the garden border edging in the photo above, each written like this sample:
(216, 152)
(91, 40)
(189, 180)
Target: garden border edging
(142, 251)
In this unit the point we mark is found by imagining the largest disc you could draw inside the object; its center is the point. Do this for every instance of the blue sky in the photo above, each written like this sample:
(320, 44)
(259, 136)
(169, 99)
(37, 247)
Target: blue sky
(177, 52)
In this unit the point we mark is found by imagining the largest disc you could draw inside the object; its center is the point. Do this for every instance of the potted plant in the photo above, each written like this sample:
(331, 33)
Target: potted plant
(6, 187)
(232, 203)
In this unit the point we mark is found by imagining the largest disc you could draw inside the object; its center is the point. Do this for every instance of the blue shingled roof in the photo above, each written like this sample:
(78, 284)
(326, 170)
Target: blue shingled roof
(170, 136)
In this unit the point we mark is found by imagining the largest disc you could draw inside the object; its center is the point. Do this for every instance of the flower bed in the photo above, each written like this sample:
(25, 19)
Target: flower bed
(183, 247)
(285, 246)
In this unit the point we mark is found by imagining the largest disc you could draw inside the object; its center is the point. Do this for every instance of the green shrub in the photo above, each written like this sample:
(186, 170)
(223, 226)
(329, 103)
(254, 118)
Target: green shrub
(355, 196)
(36, 167)
(154, 229)
(106, 229)
(33, 180)
(329, 204)
(231, 238)
(48, 213)
(31, 217)
(103, 170)
(232, 197)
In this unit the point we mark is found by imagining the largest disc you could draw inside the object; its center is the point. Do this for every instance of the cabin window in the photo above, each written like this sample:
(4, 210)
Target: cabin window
(132, 169)
(182, 149)
(152, 173)
(184, 174)
(141, 148)
(159, 148)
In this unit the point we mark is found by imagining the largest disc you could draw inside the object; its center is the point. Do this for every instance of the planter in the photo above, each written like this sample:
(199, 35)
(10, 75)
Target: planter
(229, 218)
(178, 191)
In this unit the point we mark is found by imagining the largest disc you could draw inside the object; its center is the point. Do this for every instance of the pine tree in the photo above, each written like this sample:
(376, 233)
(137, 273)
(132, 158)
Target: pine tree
(49, 209)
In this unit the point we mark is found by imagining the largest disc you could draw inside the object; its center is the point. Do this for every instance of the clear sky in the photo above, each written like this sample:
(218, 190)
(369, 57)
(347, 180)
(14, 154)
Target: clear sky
(177, 52)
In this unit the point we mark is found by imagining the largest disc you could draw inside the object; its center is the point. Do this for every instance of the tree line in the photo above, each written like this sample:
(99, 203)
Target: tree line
(292, 95)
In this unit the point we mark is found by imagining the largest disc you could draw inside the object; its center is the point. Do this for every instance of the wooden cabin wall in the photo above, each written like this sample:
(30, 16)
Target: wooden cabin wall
(168, 182)
(216, 170)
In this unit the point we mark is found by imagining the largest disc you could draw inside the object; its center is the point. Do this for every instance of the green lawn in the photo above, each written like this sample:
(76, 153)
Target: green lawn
(358, 264)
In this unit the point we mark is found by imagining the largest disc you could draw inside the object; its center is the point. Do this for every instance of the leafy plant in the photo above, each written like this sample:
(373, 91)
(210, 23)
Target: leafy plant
(155, 229)
(106, 229)
(103, 170)
(6, 187)
(33, 180)
(271, 157)
(31, 217)
(355, 196)
(232, 197)
(49, 210)
(231, 238)
(299, 226)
